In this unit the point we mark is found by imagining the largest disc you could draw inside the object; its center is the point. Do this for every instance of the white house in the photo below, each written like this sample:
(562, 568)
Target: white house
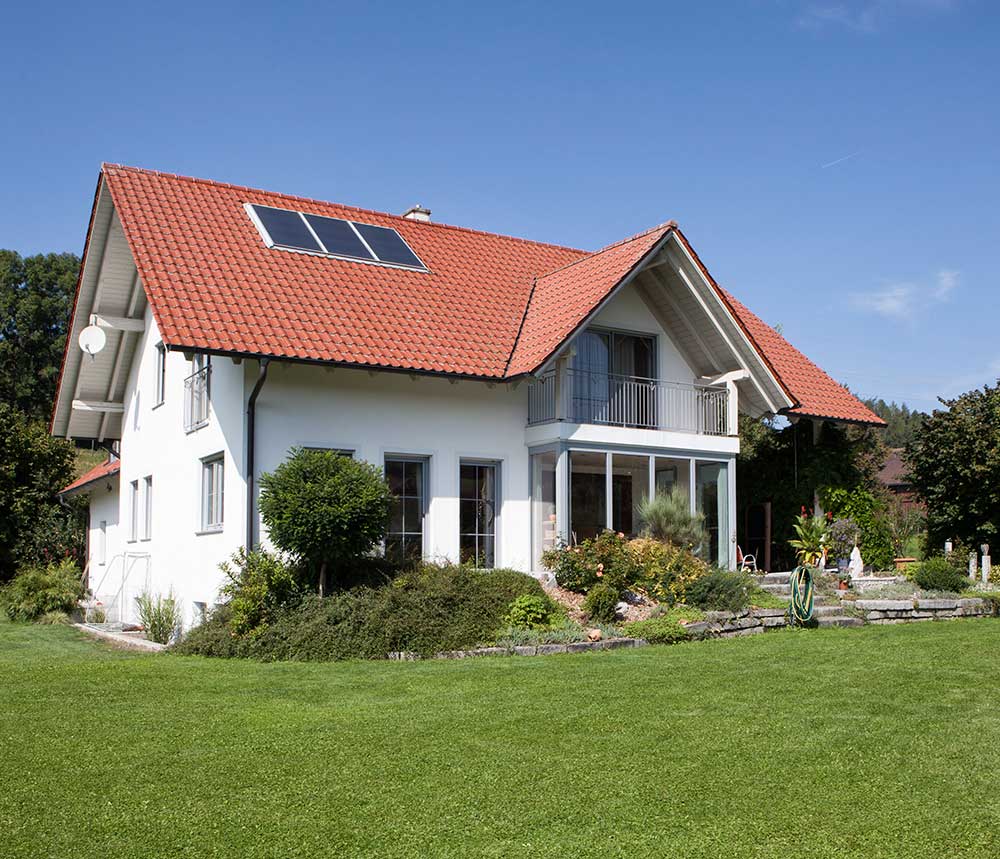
(516, 393)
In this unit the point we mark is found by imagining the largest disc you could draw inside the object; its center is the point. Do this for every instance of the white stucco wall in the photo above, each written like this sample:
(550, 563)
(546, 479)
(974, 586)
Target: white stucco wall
(627, 311)
(391, 413)
(154, 443)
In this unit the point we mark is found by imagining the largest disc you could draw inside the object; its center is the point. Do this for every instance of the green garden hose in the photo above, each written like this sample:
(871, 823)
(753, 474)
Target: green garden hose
(800, 608)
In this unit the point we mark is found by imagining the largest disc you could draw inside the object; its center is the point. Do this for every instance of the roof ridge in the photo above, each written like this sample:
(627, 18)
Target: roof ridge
(215, 183)
(671, 225)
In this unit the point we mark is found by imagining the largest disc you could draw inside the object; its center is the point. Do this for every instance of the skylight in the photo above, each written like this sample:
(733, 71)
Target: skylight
(334, 237)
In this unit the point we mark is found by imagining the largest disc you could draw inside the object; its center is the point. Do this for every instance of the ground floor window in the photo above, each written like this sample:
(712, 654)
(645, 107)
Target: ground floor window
(588, 494)
(712, 480)
(407, 482)
(477, 513)
(629, 488)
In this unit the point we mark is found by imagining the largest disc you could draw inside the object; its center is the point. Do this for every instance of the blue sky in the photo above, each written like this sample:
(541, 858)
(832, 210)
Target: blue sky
(835, 163)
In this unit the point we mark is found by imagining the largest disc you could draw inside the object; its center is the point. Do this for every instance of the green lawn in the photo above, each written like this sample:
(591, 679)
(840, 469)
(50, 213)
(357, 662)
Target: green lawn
(876, 742)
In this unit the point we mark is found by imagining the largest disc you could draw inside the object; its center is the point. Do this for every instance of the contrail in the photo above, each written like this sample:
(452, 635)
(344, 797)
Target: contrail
(839, 160)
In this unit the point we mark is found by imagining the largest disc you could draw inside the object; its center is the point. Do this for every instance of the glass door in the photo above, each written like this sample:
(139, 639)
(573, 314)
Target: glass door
(477, 513)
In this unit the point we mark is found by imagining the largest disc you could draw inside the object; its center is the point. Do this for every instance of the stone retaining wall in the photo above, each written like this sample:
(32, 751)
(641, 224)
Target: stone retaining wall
(724, 624)
(905, 611)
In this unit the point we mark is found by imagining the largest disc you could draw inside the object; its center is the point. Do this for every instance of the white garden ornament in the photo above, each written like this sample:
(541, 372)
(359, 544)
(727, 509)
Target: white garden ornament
(857, 565)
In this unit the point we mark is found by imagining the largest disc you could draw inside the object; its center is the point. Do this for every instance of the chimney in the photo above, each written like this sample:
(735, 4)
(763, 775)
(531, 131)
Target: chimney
(417, 213)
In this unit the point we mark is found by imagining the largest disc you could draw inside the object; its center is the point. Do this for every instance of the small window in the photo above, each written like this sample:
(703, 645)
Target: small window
(212, 493)
(161, 373)
(102, 543)
(133, 520)
(197, 393)
(406, 478)
(147, 508)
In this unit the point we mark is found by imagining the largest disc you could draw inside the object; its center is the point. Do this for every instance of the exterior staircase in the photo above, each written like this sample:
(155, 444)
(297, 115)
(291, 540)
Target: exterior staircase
(828, 611)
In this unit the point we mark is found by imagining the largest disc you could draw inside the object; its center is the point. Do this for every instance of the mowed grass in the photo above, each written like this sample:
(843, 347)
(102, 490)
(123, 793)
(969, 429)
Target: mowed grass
(876, 742)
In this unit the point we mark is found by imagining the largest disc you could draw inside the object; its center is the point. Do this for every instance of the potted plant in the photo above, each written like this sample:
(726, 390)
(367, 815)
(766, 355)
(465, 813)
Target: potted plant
(811, 538)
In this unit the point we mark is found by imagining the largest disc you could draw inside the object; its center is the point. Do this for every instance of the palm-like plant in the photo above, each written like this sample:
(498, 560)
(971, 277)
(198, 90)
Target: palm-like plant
(668, 518)
(812, 536)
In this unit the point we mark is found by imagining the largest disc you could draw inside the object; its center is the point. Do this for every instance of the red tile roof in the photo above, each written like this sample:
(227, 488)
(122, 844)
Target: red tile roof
(490, 306)
(105, 469)
(816, 394)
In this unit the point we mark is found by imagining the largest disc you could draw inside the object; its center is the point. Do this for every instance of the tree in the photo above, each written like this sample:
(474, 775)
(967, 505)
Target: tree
(33, 466)
(36, 296)
(954, 462)
(325, 509)
(902, 423)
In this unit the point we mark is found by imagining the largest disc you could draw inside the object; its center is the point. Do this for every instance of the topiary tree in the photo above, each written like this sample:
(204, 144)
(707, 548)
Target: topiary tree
(325, 509)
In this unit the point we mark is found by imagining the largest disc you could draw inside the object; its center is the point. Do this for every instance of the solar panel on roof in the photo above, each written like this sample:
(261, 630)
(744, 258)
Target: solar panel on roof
(287, 228)
(338, 237)
(388, 245)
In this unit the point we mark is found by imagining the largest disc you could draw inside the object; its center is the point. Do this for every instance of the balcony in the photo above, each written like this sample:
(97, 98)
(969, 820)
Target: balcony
(583, 397)
(196, 399)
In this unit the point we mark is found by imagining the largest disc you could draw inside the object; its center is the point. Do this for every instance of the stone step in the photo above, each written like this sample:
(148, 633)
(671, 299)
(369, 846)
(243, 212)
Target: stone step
(821, 610)
(775, 578)
(780, 590)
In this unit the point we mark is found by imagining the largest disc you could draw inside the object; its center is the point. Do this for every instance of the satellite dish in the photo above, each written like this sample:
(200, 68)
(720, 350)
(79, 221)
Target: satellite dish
(92, 340)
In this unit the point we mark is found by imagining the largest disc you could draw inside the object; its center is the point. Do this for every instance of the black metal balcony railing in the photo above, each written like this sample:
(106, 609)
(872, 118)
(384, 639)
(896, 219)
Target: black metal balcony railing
(196, 399)
(628, 401)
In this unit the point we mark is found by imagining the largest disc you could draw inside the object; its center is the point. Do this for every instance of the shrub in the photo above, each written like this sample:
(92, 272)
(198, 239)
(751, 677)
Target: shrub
(426, 610)
(325, 509)
(160, 616)
(529, 611)
(843, 536)
(601, 603)
(668, 518)
(258, 583)
(721, 590)
(657, 630)
(663, 570)
(939, 574)
(37, 590)
(605, 558)
(872, 518)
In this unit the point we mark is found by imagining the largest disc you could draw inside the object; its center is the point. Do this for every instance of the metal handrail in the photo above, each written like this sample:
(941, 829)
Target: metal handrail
(582, 396)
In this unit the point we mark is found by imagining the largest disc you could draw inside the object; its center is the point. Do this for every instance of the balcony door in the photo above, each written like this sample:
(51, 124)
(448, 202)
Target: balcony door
(611, 378)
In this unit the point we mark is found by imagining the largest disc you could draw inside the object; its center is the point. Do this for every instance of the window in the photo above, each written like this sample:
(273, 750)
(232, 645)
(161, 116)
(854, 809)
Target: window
(102, 543)
(406, 478)
(196, 393)
(147, 518)
(543, 505)
(340, 451)
(588, 494)
(161, 374)
(133, 507)
(212, 476)
(604, 371)
(477, 513)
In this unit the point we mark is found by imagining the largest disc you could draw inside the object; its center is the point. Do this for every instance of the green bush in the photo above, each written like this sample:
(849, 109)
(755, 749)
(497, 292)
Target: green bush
(38, 590)
(657, 630)
(325, 509)
(721, 590)
(871, 515)
(530, 611)
(427, 610)
(660, 569)
(601, 602)
(160, 616)
(939, 574)
(668, 518)
(258, 583)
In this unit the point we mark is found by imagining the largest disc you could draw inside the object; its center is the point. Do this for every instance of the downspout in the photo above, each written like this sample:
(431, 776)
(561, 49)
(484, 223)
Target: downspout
(251, 465)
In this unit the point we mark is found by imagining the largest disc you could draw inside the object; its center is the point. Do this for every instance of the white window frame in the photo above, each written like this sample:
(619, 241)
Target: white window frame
(213, 494)
(160, 386)
(147, 507)
(133, 512)
(102, 543)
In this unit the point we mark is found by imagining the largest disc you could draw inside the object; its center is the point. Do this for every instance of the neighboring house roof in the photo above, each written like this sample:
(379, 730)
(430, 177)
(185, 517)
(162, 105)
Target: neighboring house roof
(489, 306)
(98, 472)
(893, 474)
